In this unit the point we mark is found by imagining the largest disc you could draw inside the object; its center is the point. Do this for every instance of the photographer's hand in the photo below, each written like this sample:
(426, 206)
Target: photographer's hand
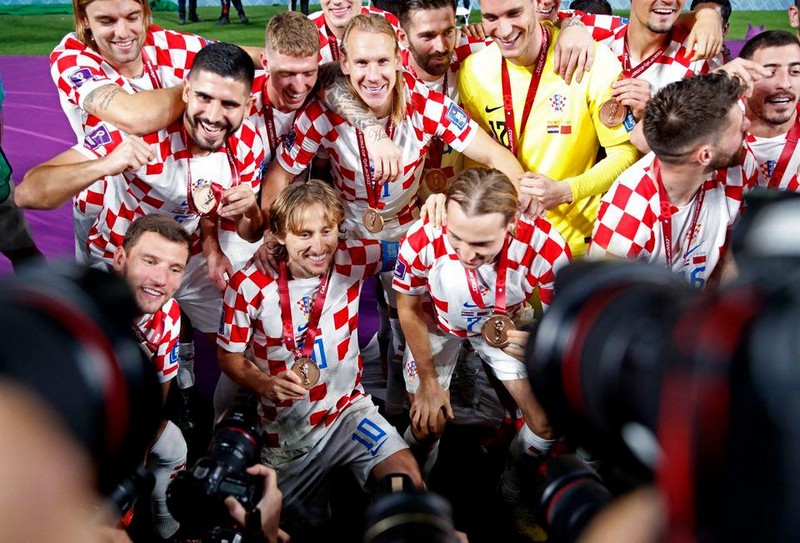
(269, 505)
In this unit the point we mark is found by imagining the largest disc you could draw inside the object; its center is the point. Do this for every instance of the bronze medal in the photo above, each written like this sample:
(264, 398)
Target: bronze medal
(307, 371)
(372, 220)
(436, 181)
(204, 199)
(612, 113)
(495, 330)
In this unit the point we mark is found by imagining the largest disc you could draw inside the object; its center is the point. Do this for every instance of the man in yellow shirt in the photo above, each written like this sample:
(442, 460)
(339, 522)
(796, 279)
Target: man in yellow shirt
(557, 136)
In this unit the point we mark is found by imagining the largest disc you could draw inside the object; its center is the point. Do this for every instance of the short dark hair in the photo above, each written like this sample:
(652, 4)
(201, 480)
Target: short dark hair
(770, 38)
(688, 112)
(166, 227)
(599, 7)
(725, 7)
(226, 60)
(408, 7)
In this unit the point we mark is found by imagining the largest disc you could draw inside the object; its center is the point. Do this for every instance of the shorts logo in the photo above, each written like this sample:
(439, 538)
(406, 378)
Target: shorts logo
(79, 77)
(400, 270)
(371, 435)
(457, 116)
(98, 137)
(558, 101)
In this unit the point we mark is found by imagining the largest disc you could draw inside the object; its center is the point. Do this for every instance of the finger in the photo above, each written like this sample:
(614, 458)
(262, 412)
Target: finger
(557, 61)
(589, 59)
(448, 410)
(283, 537)
(581, 66)
(690, 44)
(235, 509)
(260, 263)
(572, 61)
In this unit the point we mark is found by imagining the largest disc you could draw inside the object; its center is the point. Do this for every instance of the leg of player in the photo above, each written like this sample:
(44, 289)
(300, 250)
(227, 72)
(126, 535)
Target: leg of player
(400, 462)
(424, 442)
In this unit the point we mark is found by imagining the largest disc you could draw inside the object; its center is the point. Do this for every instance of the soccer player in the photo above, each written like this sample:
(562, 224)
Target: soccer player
(794, 15)
(676, 205)
(302, 324)
(478, 270)
(152, 260)
(772, 106)
(554, 129)
(333, 19)
(201, 168)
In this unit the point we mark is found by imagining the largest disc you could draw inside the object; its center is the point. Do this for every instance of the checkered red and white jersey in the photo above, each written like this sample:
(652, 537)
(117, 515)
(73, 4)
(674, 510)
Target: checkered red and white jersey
(768, 152)
(78, 70)
(159, 332)
(252, 316)
(673, 65)
(628, 224)
(283, 121)
(427, 263)
(162, 186)
(428, 114)
(452, 162)
(326, 52)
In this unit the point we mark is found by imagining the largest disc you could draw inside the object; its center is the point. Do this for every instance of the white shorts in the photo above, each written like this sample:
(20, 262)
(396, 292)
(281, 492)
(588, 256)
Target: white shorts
(198, 298)
(360, 439)
(445, 348)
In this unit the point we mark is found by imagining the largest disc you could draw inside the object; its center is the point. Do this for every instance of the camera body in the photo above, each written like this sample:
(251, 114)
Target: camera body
(196, 497)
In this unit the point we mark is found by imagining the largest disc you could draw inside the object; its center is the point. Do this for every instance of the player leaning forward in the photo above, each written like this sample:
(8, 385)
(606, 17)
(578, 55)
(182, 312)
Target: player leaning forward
(478, 270)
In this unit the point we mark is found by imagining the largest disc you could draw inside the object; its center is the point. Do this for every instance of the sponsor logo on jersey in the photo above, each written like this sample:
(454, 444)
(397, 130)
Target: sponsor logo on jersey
(99, 136)
(79, 77)
(457, 116)
(488, 109)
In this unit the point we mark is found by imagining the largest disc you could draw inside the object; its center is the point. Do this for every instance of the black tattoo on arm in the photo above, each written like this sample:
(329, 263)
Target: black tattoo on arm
(342, 100)
(99, 99)
(572, 21)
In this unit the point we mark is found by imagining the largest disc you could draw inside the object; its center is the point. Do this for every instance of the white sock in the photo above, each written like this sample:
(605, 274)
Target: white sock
(167, 456)
(526, 442)
(185, 377)
(426, 454)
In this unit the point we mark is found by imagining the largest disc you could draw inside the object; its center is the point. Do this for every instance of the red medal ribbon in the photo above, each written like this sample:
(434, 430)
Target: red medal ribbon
(436, 145)
(373, 194)
(633, 73)
(500, 285)
(508, 102)
(313, 318)
(151, 70)
(786, 154)
(215, 188)
(269, 120)
(334, 43)
(667, 210)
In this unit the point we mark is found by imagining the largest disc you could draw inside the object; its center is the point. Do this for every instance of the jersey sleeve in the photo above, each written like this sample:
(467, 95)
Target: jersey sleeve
(77, 71)
(624, 225)
(441, 116)
(249, 156)
(413, 261)
(358, 259)
(165, 358)
(100, 141)
(603, 27)
(547, 252)
(242, 298)
(301, 143)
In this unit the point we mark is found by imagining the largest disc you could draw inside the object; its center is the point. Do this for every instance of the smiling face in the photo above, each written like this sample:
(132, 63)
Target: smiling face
(153, 269)
(370, 60)
(291, 78)
(477, 240)
(215, 108)
(729, 147)
(547, 10)
(774, 99)
(311, 247)
(338, 13)
(117, 29)
(430, 36)
(513, 26)
(658, 16)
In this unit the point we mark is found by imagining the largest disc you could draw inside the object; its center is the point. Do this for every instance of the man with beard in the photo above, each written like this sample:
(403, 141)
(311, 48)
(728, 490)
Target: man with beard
(333, 19)
(676, 205)
(772, 107)
(654, 50)
(152, 260)
(201, 168)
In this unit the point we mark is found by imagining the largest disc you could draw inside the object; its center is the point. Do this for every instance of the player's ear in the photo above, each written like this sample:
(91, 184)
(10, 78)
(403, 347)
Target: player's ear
(186, 89)
(119, 259)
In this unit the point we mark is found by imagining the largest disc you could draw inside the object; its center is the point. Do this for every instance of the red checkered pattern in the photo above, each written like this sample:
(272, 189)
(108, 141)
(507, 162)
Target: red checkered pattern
(767, 152)
(428, 114)
(427, 263)
(283, 121)
(628, 224)
(673, 65)
(160, 332)
(78, 70)
(251, 316)
(162, 185)
(325, 51)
